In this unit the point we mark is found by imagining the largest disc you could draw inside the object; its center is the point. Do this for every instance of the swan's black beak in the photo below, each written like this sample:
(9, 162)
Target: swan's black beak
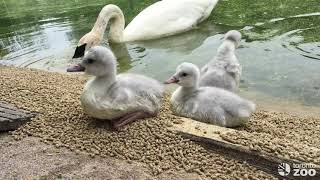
(79, 52)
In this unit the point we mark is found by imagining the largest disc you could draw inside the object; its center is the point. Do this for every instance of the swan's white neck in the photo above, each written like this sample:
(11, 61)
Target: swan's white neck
(113, 14)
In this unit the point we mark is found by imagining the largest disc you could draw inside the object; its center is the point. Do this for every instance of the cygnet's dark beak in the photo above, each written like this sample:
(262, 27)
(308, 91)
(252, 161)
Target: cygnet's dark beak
(76, 68)
(172, 80)
(79, 52)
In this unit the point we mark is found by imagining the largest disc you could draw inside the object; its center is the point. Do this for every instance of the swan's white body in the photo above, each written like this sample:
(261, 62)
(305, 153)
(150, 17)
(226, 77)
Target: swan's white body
(109, 96)
(163, 18)
(168, 17)
(207, 104)
(224, 70)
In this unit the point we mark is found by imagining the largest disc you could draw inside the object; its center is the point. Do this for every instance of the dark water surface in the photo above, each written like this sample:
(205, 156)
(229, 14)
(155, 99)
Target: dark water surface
(280, 50)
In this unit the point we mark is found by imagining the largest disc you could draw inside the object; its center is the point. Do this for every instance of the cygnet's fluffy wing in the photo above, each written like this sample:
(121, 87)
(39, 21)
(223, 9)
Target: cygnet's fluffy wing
(168, 17)
(197, 107)
(218, 76)
(230, 102)
(140, 91)
(214, 105)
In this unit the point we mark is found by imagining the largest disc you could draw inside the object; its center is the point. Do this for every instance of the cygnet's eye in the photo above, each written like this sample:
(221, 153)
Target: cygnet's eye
(90, 61)
(184, 74)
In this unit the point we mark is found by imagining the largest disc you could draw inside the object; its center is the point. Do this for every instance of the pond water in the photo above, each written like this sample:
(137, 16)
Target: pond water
(280, 50)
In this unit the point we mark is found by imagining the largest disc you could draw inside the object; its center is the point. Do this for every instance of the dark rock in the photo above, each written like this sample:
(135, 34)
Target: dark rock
(11, 118)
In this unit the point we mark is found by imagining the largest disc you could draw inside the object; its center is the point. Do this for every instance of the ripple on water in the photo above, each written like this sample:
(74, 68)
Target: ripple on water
(279, 53)
(36, 47)
(294, 41)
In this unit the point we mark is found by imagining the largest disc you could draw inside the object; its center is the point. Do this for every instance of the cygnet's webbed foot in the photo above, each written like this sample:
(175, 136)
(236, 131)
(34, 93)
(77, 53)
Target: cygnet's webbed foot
(117, 124)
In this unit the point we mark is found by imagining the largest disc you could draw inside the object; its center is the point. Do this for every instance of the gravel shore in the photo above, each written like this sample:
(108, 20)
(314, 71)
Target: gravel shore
(62, 123)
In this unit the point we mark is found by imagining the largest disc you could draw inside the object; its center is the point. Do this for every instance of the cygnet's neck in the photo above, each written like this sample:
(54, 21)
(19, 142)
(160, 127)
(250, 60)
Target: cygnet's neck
(225, 49)
(107, 79)
(110, 13)
(103, 82)
(190, 89)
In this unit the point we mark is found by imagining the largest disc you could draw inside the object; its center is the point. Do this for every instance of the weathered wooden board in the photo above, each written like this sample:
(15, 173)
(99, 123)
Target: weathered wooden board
(210, 137)
(12, 118)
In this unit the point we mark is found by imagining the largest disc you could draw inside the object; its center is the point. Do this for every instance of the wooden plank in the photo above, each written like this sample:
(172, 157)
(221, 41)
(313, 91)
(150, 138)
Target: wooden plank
(13, 112)
(9, 116)
(6, 105)
(4, 119)
(209, 137)
(12, 118)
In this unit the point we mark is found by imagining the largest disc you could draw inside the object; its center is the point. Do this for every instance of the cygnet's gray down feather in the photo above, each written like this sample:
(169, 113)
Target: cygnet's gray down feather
(207, 104)
(224, 70)
(109, 96)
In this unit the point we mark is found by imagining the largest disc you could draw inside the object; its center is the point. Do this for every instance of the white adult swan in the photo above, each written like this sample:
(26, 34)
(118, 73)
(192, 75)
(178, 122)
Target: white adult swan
(207, 104)
(163, 18)
(120, 99)
(224, 70)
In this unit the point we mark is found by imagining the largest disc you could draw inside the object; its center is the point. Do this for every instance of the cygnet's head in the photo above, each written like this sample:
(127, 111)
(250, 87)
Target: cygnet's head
(187, 75)
(86, 42)
(98, 61)
(234, 36)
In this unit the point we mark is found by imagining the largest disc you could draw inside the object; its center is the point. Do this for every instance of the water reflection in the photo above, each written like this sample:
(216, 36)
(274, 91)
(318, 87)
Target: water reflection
(186, 42)
(280, 50)
(123, 56)
(41, 48)
(44, 33)
(294, 41)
